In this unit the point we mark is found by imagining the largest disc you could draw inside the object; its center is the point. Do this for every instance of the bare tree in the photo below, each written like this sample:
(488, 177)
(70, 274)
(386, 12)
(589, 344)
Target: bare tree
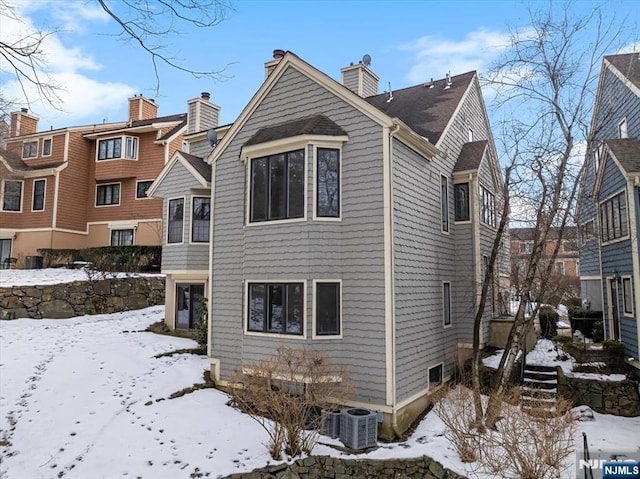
(149, 25)
(545, 84)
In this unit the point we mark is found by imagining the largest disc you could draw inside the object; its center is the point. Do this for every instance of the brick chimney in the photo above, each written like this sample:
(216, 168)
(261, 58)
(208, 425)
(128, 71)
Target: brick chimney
(271, 64)
(22, 123)
(141, 108)
(202, 114)
(360, 80)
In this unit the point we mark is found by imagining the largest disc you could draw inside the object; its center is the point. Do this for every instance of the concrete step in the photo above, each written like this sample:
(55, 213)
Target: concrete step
(539, 367)
(540, 375)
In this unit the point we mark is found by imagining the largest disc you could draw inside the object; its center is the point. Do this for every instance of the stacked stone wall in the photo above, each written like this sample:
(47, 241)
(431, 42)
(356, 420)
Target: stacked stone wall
(78, 298)
(620, 398)
(326, 467)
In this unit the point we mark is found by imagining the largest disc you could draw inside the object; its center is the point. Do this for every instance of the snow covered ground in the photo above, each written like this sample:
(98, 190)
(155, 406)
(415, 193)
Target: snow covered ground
(86, 398)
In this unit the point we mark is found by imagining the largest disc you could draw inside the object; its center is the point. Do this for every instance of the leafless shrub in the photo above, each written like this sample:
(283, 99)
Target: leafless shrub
(455, 407)
(530, 440)
(286, 395)
(532, 437)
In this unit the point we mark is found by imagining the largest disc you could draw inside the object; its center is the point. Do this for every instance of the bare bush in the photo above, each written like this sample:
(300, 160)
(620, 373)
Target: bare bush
(286, 395)
(530, 440)
(456, 409)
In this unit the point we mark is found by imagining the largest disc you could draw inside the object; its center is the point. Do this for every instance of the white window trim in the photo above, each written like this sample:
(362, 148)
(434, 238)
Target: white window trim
(282, 146)
(245, 318)
(21, 196)
(564, 271)
(141, 181)
(184, 215)
(267, 152)
(126, 146)
(323, 337)
(37, 142)
(314, 161)
(111, 205)
(193, 197)
(495, 208)
(442, 230)
(33, 195)
(622, 192)
(123, 148)
(626, 128)
(624, 311)
(51, 147)
(444, 324)
(441, 364)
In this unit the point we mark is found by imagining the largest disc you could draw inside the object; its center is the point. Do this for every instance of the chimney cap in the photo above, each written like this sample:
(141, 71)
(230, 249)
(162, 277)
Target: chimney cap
(278, 54)
(205, 95)
(24, 110)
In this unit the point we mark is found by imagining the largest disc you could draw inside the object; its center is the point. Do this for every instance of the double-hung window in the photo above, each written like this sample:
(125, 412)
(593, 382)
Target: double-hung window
(175, 226)
(614, 223)
(30, 149)
(627, 296)
(38, 195)
(12, 195)
(277, 187)
(108, 195)
(327, 183)
(275, 308)
(111, 148)
(131, 150)
(200, 219)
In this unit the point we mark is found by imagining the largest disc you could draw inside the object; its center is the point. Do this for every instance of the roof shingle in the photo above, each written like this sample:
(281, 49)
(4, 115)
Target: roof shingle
(628, 64)
(311, 125)
(627, 152)
(471, 155)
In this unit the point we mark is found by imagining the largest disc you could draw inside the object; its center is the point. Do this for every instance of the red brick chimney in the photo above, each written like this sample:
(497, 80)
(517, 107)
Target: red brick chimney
(141, 108)
(22, 123)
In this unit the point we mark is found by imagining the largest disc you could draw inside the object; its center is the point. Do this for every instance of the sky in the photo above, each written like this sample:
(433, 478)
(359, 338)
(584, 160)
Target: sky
(408, 41)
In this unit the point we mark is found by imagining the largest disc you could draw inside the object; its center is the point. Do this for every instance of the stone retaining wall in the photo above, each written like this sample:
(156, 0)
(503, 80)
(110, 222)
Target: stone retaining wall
(78, 298)
(326, 467)
(620, 398)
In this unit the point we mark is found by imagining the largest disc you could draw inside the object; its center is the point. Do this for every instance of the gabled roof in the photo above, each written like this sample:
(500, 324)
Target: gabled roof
(471, 156)
(627, 64)
(195, 165)
(411, 138)
(176, 122)
(198, 164)
(425, 108)
(627, 152)
(311, 125)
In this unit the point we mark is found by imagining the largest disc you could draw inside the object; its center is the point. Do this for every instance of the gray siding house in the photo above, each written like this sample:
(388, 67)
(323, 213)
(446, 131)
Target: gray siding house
(185, 186)
(608, 209)
(356, 224)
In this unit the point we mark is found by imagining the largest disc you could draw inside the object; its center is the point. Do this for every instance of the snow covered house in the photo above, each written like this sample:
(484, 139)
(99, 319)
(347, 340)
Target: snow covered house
(609, 203)
(355, 223)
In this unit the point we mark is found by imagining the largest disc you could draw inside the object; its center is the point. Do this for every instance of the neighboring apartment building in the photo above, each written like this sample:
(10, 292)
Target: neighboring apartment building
(565, 276)
(351, 222)
(609, 203)
(84, 186)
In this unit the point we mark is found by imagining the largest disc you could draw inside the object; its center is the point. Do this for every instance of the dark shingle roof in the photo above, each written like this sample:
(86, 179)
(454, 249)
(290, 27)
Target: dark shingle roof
(160, 119)
(174, 130)
(628, 64)
(627, 152)
(311, 125)
(425, 108)
(199, 164)
(17, 164)
(471, 155)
